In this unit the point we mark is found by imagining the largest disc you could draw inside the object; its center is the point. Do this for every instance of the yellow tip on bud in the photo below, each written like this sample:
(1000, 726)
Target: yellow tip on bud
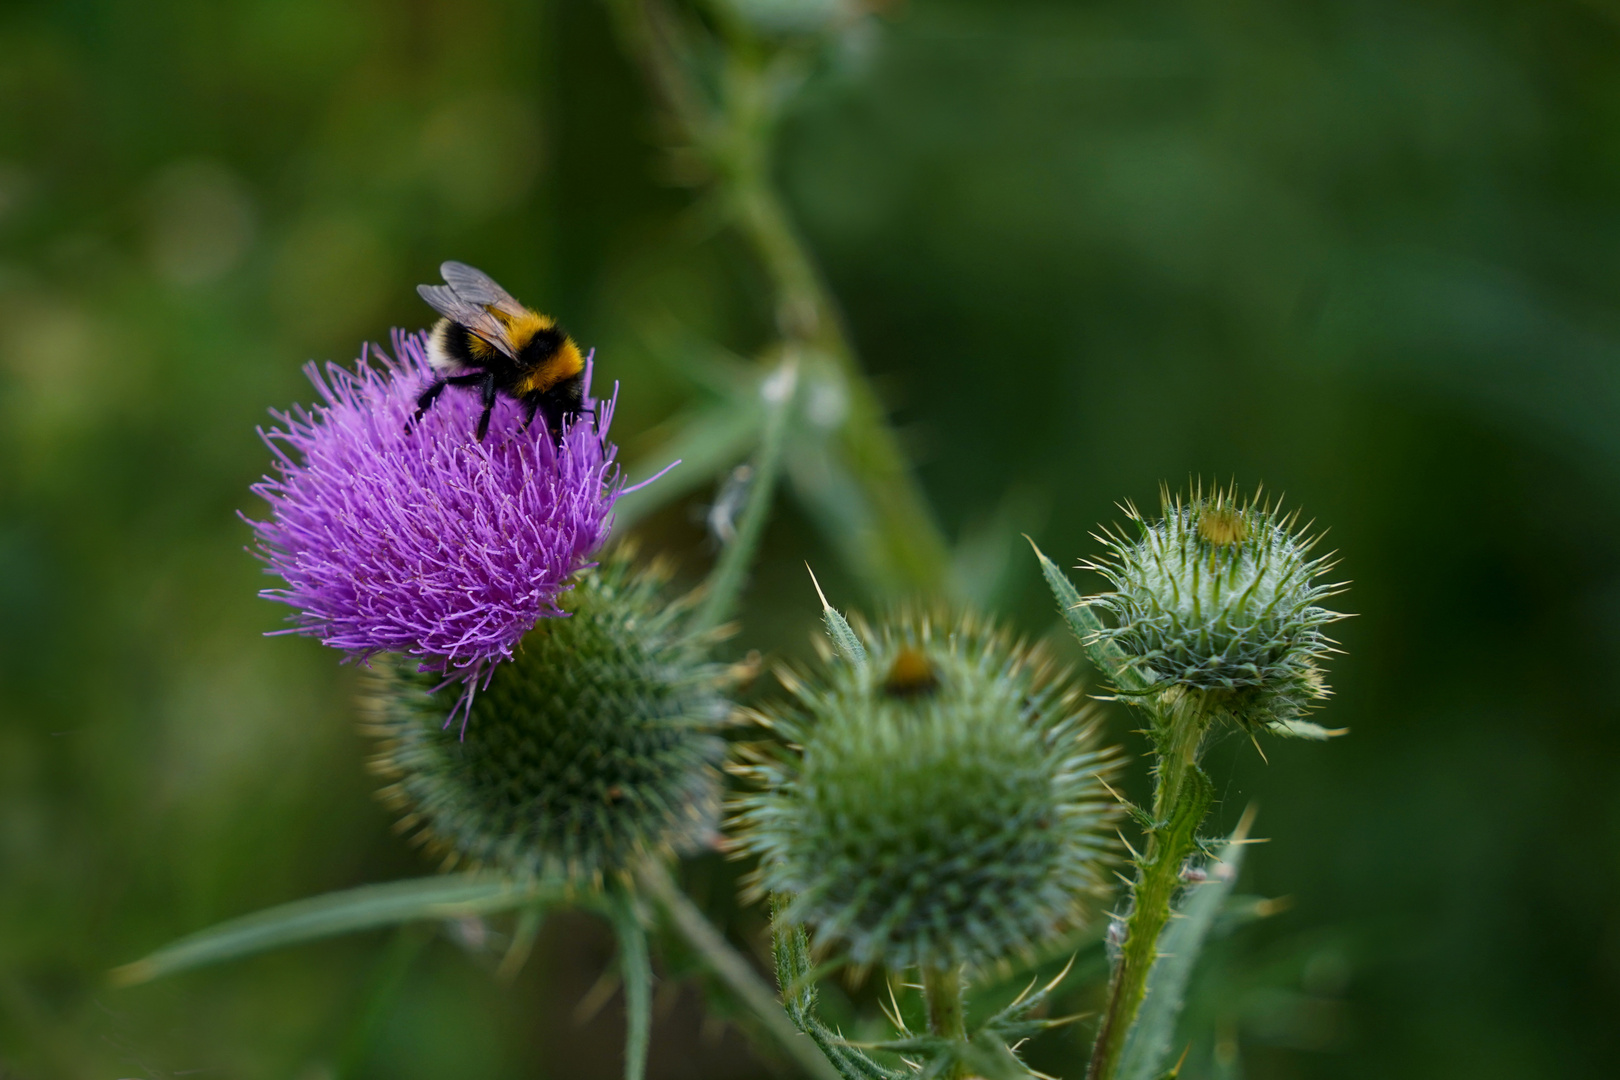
(910, 675)
(1223, 525)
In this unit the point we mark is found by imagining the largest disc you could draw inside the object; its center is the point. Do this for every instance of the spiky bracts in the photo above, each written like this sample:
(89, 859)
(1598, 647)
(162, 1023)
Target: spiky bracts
(946, 802)
(594, 746)
(1220, 597)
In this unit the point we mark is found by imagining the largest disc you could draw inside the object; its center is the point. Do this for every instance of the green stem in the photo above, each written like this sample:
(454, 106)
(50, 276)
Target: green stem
(731, 570)
(732, 969)
(942, 989)
(1181, 797)
(635, 967)
(897, 544)
(905, 550)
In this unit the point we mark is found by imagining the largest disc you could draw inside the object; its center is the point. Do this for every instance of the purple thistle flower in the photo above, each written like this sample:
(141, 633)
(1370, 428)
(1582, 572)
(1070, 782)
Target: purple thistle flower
(426, 541)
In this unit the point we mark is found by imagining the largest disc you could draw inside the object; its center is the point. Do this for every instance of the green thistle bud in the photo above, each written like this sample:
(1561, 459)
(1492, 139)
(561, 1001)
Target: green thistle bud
(947, 804)
(1219, 598)
(592, 747)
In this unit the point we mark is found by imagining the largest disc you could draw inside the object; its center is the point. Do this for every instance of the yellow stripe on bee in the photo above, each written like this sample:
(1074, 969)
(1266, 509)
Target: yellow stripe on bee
(564, 364)
(520, 328)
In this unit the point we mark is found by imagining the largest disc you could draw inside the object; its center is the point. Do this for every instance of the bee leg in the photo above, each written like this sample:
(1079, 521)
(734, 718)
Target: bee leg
(424, 402)
(487, 388)
(531, 405)
(562, 402)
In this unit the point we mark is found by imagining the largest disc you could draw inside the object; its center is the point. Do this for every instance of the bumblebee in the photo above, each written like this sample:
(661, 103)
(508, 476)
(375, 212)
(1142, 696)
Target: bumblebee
(490, 341)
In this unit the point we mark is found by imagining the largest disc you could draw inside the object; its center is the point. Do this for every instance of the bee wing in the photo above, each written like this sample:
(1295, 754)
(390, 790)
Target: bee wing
(467, 297)
(475, 286)
(477, 319)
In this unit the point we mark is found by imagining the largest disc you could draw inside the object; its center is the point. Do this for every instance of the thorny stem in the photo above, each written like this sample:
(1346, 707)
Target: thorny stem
(1181, 797)
(942, 989)
(893, 540)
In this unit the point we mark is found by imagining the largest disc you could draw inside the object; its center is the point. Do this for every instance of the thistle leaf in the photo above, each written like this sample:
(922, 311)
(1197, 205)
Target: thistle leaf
(1148, 1043)
(364, 908)
(706, 444)
(1304, 729)
(790, 950)
(1104, 655)
(991, 1059)
(844, 637)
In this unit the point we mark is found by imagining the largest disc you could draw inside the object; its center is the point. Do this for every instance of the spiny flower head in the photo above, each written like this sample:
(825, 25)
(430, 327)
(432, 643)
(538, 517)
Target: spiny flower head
(947, 801)
(1220, 597)
(594, 746)
(416, 538)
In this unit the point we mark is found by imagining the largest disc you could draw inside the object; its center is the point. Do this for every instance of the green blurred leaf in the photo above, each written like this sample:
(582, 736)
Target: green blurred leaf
(730, 572)
(834, 502)
(365, 908)
(380, 996)
(705, 444)
(985, 558)
(739, 977)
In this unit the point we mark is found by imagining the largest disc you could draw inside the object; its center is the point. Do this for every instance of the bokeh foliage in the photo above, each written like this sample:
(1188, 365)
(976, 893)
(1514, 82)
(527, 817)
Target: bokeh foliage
(1365, 252)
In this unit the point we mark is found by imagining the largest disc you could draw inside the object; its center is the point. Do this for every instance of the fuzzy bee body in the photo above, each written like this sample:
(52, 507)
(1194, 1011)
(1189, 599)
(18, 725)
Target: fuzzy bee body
(488, 340)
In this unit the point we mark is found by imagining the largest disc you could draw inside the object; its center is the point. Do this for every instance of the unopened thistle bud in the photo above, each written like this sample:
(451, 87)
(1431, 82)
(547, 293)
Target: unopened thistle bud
(946, 803)
(1220, 598)
(592, 747)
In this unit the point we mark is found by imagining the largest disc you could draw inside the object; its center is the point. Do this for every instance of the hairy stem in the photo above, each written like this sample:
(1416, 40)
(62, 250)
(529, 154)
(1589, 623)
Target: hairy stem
(942, 989)
(732, 969)
(1181, 797)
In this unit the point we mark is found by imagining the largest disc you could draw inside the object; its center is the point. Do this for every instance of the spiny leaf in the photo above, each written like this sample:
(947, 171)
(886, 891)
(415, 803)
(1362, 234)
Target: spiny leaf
(364, 908)
(1017, 1020)
(1304, 729)
(1104, 654)
(843, 635)
(991, 1059)
(790, 950)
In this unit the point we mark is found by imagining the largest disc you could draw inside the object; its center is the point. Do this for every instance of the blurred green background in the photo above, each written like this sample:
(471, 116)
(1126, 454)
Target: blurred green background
(1363, 251)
